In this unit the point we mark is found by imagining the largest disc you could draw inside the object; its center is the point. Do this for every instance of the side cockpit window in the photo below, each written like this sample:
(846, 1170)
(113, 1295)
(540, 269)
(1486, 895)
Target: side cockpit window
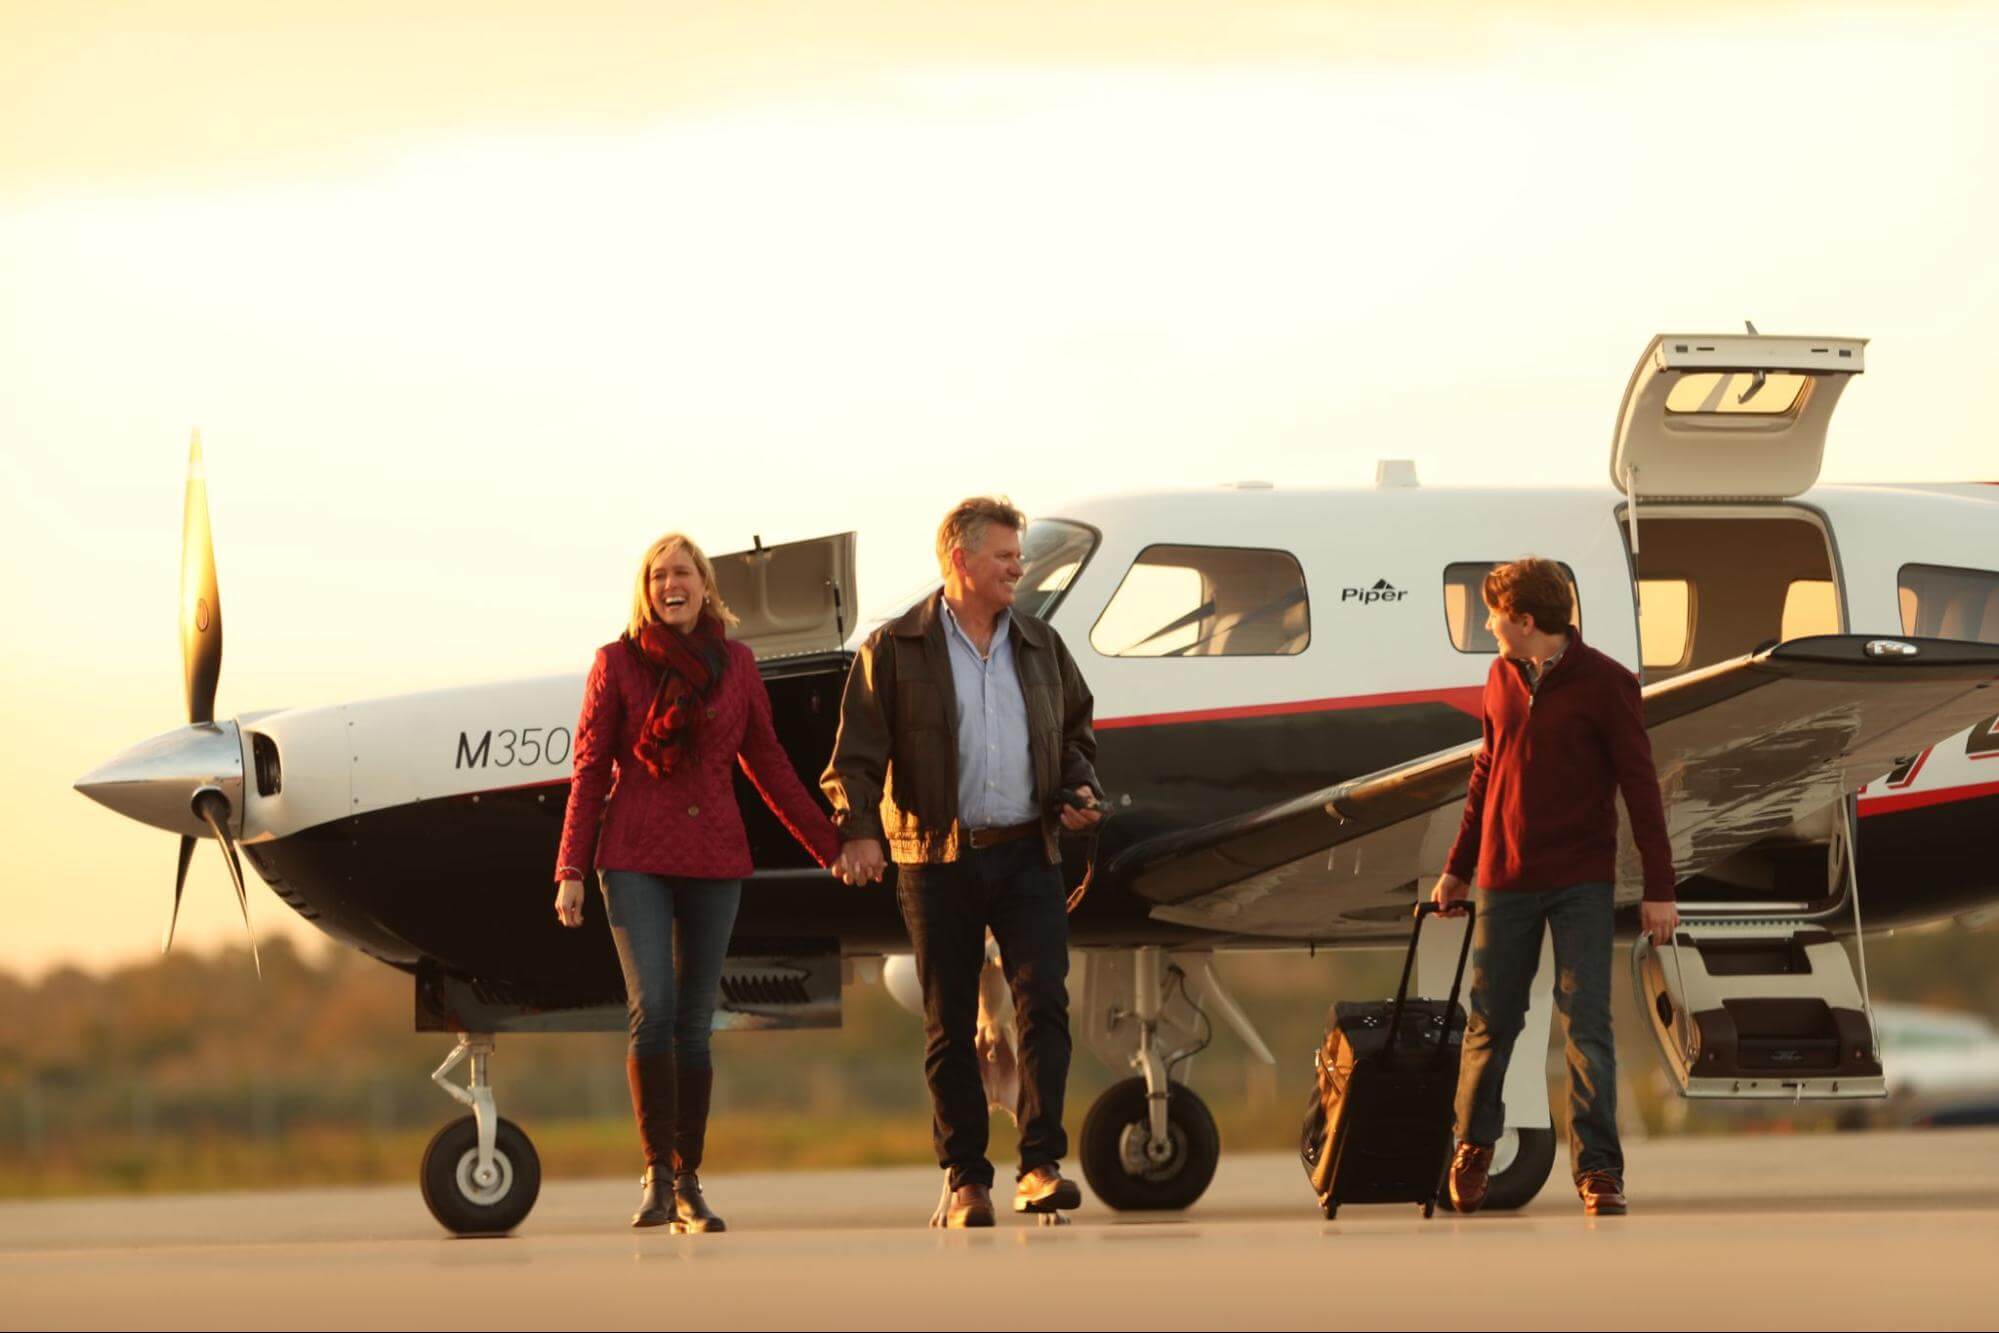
(1942, 602)
(1464, 604)
(1207, 601)
(1053, 552)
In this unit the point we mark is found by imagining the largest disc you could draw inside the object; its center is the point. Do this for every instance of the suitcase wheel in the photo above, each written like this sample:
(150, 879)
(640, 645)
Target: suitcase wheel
(1429, 1208)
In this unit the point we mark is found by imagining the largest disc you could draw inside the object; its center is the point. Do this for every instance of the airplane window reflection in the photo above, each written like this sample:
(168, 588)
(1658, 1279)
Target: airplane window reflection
(1939, 602)
(1811, 606)
(1736, 393)
(1464, 605)
(1206, 601)
(1052, 552)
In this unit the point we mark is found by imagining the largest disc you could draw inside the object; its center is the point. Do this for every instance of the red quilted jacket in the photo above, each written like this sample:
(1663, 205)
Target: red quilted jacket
(686, 823)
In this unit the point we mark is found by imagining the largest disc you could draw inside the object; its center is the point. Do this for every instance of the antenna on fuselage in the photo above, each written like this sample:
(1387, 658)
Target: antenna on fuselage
(1395, 473)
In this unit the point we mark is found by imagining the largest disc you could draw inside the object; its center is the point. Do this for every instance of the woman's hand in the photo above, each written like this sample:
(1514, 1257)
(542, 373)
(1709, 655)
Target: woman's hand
(861, 862)
(569, 902)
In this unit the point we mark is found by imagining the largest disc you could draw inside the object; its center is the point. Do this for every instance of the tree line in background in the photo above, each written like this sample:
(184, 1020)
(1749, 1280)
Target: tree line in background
(189, 1072)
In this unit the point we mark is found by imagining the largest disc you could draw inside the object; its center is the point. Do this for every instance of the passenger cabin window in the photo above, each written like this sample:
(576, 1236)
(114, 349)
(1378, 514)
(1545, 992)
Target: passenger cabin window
(1665, 621)
(1207, 601)
(1736, 393)
(1810, 607)
(1941, 602)
(1464, 604)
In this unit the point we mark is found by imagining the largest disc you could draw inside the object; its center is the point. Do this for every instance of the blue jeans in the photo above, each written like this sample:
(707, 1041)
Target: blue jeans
(1013, 890)
(671, 976)
(1506, 953)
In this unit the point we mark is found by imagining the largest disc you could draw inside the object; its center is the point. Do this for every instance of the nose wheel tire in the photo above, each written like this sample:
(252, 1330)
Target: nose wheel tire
(1123, 1165)
(456, 1195)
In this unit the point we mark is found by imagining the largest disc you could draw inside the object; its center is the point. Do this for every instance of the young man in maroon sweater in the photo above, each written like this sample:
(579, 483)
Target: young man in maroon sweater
(1564, 732)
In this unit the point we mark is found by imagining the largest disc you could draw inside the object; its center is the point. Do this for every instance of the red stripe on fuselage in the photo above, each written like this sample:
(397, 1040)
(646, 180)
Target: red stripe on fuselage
(1468, 699)
(1916, 800)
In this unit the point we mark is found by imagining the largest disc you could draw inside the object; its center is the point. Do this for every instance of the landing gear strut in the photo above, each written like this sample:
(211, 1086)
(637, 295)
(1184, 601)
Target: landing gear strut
(1149, 1142)
(480, 1174)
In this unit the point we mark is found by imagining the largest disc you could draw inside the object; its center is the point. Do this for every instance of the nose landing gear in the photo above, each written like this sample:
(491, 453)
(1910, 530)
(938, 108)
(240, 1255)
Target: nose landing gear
(480, 1174)
(1149, 1143)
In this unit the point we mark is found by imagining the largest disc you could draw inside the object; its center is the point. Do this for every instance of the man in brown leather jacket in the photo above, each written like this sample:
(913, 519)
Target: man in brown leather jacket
(963, 724)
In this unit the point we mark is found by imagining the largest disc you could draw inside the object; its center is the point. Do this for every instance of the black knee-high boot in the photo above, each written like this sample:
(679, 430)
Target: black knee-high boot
(656, 1106)
(692, 1213)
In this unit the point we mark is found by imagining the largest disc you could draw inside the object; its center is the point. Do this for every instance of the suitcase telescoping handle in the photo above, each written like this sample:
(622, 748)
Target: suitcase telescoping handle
(1423, 910)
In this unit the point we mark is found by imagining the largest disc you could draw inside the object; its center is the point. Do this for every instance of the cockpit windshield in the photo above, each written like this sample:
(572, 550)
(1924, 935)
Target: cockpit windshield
(1053, 552)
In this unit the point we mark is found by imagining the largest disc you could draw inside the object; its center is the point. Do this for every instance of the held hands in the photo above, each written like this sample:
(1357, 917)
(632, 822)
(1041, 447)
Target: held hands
(1449, 895)
(860, 862)
(569, 902)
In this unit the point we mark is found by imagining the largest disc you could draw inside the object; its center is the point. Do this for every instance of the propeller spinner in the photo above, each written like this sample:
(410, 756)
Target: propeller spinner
(189, 781)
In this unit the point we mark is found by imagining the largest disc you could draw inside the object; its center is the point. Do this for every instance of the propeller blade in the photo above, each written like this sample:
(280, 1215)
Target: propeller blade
(180, 882)
(200, 603)
(213, 810)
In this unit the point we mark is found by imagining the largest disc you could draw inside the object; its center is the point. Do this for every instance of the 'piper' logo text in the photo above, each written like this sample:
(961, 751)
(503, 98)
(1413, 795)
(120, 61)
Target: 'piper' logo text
(1382, 591)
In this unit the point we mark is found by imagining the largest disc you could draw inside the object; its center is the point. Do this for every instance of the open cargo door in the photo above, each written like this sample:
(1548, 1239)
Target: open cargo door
(792, 600)
(1729, 416)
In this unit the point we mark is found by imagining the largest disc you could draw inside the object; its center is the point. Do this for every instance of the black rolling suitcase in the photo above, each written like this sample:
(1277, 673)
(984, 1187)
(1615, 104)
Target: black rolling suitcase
(1378, 1127)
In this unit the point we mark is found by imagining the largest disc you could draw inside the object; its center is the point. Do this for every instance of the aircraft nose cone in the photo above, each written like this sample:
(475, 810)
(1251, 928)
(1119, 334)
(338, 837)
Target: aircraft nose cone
(155, 781)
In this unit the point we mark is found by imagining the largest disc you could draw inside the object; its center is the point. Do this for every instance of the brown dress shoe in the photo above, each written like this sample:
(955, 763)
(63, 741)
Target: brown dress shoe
(1471, 1166)
(1043, 1190)
(971, 1206)
(1603, 1194)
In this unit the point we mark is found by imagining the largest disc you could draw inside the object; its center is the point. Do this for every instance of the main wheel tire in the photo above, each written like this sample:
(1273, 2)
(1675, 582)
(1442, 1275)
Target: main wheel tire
(1514, 1182)
(1113, 1145)
(458, 1201)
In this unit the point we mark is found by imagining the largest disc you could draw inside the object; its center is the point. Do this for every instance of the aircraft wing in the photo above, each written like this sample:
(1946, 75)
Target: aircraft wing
(1743, 749)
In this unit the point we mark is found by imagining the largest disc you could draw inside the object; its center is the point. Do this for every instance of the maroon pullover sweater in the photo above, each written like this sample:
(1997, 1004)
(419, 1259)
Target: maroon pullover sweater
(1541, 808)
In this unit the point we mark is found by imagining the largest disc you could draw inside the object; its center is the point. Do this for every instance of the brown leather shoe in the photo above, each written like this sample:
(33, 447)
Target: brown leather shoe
(1603, 1194)
(1471, 1167)
(1043, 1190)
(971, 1206)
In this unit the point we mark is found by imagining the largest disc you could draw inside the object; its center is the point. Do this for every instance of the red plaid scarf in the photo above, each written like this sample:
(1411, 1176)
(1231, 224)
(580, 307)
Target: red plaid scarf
(688, 664)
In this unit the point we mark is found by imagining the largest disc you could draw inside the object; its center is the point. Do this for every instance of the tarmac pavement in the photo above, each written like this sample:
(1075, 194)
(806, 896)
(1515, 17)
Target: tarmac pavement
(1896, 1229)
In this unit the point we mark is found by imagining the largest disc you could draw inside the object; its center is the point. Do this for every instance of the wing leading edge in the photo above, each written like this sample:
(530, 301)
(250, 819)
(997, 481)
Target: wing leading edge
(1743, 749)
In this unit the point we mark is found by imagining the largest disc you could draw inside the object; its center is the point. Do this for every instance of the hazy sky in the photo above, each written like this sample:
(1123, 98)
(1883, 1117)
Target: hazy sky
(470, 301)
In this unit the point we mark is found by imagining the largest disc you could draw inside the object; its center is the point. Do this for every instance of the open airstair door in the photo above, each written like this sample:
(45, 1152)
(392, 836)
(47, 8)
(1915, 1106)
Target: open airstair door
(1729, 416)
(1747, 1007)
(792, 600)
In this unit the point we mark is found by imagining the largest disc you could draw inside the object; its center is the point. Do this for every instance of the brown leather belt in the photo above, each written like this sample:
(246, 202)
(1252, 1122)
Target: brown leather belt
(982, 838)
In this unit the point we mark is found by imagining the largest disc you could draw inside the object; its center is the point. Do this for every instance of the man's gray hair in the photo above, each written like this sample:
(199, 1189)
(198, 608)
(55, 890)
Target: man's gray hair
(964, 528)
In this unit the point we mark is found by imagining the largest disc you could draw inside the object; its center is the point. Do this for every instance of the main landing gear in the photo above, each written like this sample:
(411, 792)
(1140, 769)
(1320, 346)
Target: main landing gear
(1149, 1143)
(480, 1173)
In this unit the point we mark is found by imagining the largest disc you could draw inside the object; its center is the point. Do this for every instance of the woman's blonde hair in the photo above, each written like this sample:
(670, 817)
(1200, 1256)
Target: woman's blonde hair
(712, 604)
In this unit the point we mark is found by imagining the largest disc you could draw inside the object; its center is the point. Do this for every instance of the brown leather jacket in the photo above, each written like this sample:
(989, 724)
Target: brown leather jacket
(894, 771)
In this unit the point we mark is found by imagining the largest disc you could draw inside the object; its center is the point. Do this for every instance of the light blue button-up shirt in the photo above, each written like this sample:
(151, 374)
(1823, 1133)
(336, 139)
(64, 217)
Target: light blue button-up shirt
(995, 766)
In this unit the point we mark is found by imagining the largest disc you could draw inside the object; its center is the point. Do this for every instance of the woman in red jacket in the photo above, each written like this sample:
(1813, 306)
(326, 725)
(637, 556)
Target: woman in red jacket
(668, 710)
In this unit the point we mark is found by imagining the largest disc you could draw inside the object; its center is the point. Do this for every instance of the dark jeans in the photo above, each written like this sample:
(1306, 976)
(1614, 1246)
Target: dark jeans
(1506, 953)
(671, 976)
(1012, 889)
